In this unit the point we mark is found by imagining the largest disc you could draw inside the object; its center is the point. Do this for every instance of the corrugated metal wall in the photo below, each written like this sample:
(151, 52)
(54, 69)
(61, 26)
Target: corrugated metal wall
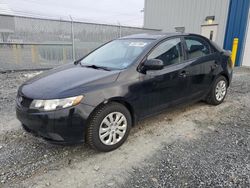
(246, 55)
(236, 26)
(191, 14)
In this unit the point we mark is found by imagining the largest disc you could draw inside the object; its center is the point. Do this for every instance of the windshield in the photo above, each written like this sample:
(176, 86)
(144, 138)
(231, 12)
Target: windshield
(117, 54)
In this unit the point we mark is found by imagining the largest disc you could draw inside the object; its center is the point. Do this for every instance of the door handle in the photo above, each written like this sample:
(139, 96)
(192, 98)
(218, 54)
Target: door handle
(183, 74)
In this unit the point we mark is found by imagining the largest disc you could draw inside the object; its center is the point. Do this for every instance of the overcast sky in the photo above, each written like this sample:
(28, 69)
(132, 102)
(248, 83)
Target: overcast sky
(126, 12)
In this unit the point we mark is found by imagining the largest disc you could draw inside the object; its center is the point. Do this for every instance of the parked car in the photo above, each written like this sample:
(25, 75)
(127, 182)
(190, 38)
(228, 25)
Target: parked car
(102, 95)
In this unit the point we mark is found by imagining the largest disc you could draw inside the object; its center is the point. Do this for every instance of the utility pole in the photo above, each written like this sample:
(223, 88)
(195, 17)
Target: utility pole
(72, 38)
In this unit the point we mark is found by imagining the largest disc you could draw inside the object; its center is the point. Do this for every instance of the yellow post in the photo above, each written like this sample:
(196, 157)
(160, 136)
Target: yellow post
(234, 50)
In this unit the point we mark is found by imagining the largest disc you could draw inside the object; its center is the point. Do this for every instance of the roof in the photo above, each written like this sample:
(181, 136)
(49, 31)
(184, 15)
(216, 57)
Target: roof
(5, 9)
(155, 36)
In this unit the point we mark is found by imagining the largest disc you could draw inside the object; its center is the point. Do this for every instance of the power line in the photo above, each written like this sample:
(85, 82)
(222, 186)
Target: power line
(103, 19)
(85, 7)
(66, 18)
(58, 17)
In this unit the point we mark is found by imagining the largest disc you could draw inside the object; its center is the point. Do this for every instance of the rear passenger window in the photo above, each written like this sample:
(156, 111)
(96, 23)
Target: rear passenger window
(196, 47)
(170, 52)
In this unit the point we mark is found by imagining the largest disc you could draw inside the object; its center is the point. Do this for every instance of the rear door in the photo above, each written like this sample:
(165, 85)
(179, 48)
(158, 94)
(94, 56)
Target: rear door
(202, 62)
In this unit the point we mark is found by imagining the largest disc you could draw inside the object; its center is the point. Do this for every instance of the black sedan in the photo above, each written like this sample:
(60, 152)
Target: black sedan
(99, 98)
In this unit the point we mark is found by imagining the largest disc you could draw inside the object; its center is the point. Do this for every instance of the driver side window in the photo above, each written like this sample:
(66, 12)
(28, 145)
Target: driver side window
(170, 52)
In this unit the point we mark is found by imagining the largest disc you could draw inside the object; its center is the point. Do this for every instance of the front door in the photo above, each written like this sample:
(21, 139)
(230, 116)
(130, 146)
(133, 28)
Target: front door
(168, 86)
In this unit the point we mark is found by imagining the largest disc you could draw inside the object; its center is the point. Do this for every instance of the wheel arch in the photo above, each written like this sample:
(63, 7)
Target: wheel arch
(226, 76)
(128, 105)
(122, 101)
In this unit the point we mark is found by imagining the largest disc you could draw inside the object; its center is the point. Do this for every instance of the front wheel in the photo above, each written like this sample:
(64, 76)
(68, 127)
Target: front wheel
(218, 91)
(109, 127)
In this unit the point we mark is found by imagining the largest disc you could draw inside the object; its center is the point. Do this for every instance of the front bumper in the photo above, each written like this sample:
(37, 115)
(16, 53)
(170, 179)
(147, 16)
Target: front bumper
(60, 126)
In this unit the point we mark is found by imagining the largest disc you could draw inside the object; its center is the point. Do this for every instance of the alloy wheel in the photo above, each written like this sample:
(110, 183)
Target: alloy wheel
(220, 90)
(112, 128)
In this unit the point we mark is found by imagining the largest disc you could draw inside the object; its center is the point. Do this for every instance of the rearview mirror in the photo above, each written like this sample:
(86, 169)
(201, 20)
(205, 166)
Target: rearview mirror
(153, 64)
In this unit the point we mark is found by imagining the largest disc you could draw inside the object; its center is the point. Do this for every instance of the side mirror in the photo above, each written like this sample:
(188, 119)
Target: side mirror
(153, 64)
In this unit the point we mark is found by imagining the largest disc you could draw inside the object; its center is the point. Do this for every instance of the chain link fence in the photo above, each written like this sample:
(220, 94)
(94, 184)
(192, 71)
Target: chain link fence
(33, 43)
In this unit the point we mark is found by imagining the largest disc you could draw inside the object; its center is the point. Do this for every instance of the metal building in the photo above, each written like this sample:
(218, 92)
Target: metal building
(219, 20)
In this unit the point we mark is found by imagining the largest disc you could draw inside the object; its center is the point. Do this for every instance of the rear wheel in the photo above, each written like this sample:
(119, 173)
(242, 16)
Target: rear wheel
(109, 127)
(218, 91)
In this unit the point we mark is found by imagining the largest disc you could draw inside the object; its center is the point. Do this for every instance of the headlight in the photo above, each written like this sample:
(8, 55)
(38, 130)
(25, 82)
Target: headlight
(53, 104)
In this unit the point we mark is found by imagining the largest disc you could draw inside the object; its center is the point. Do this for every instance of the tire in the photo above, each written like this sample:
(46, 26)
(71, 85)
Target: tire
(212, 97)
(105, 135)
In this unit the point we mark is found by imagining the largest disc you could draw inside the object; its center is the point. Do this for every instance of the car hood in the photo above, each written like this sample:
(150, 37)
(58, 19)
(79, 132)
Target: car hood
(66, 81)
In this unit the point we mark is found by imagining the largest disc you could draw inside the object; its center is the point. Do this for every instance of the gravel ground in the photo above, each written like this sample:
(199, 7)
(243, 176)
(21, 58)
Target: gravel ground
(192, 146)
(218, 158)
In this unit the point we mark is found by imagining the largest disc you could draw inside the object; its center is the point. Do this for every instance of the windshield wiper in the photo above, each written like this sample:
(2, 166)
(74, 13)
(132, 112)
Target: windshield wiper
(96, 67)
